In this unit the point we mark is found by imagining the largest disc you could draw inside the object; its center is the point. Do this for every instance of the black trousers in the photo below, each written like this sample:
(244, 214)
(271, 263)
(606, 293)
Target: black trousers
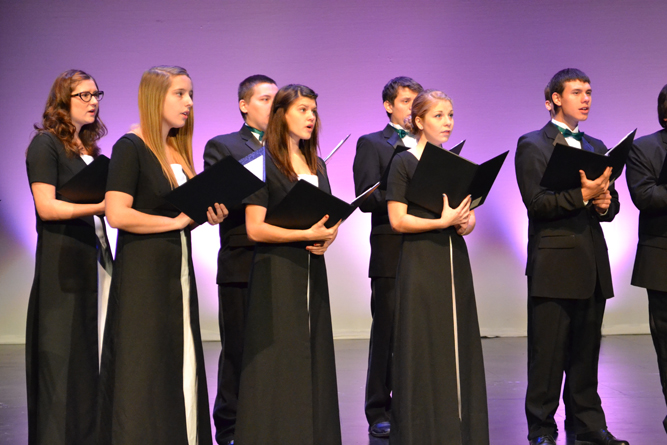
(657, 312)
(378, 379)
(232, 311)
(564, 337)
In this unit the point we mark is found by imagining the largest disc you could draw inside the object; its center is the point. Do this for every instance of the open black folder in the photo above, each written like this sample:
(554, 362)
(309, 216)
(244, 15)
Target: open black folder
(306, 204)
(385, 176)
(443, 172)
(562, 172)
(227, 182)
(89, 185)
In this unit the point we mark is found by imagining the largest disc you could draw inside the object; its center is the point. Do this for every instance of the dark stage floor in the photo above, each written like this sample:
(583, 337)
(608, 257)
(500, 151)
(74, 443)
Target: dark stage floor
(629, 386)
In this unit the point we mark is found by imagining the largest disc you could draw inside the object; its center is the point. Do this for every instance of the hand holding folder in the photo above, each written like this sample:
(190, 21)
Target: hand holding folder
(562, 172)
(305, 205)
(227, 182)
(444, 172)
(89, 185)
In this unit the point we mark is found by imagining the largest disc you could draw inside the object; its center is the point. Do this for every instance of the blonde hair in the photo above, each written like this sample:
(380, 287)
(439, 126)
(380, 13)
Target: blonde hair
(420, 106)
(152, 91)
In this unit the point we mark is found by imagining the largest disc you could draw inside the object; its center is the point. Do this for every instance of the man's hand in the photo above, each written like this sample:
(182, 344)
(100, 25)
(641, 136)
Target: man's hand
(602, 202)
(591, 189)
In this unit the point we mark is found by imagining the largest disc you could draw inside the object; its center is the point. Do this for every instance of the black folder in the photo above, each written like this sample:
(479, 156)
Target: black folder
(306, 204)
(333, 152)
(226, 182)
(457, 148)
(89, 185)
(443, 172)
(562, 172)
(385, 176)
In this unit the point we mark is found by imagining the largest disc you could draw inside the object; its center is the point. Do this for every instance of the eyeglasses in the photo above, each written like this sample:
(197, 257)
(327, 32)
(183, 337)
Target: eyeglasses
(86, 96)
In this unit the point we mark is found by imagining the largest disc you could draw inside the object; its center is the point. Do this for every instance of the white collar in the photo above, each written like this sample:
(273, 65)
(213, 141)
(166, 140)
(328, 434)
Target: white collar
(562, 125)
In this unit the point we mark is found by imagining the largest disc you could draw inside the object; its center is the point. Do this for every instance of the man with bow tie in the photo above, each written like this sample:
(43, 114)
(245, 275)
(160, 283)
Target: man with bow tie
(255, 95)
(374, 152)
(569, 277)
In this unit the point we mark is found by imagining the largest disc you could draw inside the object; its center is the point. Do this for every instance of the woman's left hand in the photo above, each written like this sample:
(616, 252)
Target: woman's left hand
(216, 215)
(468, 226)
(320, 247)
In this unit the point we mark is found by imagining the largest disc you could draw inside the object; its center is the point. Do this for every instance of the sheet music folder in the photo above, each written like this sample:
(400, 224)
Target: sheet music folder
(306, 204)
(443, 172)
(562, 172)
(227, 182)
(383, 182)
(89, 185)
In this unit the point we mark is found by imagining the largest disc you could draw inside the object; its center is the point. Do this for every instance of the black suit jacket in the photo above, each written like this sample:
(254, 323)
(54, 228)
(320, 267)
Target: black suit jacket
(645, 162)
(236, 250)
(567, 251)
(373, 154)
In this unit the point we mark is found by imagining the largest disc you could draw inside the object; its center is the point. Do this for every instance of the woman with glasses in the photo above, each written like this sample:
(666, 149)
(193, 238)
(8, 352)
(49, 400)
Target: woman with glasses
(153, 382)
(62, 325)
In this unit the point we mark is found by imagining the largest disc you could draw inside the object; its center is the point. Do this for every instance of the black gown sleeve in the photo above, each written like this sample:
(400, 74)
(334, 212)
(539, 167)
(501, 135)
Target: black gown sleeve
(124, 167)
(397, 181)
(42, 160)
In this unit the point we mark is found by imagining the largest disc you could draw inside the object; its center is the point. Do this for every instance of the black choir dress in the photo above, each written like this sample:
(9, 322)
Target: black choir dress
(288, 392)
(153, 294)
(62, 329)
(439, 393)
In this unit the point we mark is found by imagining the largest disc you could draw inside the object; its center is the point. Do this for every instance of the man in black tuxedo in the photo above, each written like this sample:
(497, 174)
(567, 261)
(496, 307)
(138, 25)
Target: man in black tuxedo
(649, 194)
(374, 151)
(569, 277)
(236, 250)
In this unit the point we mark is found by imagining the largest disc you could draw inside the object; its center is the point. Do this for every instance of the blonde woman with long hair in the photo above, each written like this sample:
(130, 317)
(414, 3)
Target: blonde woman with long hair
(439, 390)
(153, 384)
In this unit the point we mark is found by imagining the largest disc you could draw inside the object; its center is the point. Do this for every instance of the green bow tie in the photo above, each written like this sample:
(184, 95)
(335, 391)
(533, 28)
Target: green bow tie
(259, 133)
(401, 132)
(568, 134)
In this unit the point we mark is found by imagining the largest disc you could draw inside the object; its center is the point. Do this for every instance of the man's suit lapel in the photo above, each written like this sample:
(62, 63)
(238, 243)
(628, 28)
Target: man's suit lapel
(552, 133)
(557, 138)
(250, 140)
(585, 145)
(392, 137)
(663, 134)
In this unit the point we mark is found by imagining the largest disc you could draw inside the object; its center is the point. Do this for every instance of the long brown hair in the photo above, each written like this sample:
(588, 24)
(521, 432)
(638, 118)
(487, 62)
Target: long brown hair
(153, 89)
(276, 137)
(57, 119)
(420, 106)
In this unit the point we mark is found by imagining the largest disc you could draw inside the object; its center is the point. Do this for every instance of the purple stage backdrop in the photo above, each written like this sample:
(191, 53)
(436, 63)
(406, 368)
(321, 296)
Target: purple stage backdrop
(492, 58)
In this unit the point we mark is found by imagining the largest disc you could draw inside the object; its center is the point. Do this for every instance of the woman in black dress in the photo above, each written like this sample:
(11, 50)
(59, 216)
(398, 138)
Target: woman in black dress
(439, 392)
(288, 392)
(153, 383)
(62, 326)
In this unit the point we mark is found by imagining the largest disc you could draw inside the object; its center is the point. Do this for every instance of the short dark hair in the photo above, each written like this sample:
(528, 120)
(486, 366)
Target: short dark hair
(247, 87)
(662, 107)
(557, 83)
(390, 90)
(548, 98)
